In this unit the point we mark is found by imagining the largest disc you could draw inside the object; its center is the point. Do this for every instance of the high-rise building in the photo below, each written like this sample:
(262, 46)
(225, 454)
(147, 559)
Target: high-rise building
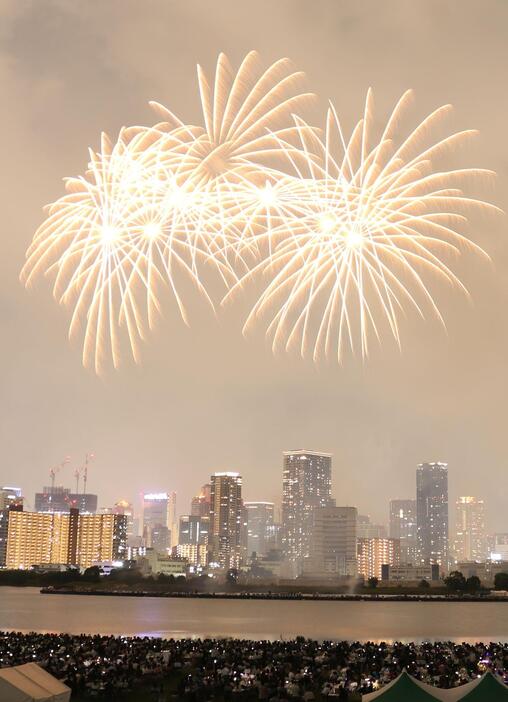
(333, 543)
(306, 485)
(470, 539)
(160, 528)
(226, 519)
(432, 514)
(60, 499)
(10, 496)
(126, 508)
(101, 538)
(403, 528)
(200, 505)
(194, 530)
(367, 530)
(260, 531)
(35, 538)
(374, 553)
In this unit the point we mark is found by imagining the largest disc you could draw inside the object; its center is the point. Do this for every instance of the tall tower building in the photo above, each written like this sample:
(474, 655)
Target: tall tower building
(432, 514)
(260, 531)
(403, 528)
(160, 529)
(306, 485)
(226, 519)
(470, 540)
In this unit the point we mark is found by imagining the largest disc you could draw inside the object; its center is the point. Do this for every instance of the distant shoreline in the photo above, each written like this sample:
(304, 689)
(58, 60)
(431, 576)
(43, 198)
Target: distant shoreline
(296, 596)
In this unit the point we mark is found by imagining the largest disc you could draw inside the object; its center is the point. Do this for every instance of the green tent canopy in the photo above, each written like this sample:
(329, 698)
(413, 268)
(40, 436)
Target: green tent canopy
(402, 689)
(488, 688)
(405, 688)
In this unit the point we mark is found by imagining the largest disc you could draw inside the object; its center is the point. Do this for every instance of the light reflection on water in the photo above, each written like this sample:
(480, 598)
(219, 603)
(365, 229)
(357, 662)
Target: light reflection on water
(25, 609)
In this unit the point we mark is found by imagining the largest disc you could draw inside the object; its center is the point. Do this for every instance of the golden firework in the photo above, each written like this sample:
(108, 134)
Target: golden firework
(373, 226)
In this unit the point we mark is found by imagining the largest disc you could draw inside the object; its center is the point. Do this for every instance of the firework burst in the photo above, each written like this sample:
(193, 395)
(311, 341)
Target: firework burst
(160, 201)
(373, 225)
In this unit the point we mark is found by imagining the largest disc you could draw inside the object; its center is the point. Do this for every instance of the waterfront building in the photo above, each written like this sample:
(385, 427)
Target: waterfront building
(332, 552)
(100, 538)
(410, 574)
(158, 563)
(35, 538)
(60, 499)
(432, 514)
(200, 505)
(160, 528)
(470, 538)
(260, 527)
(500, 548)
(306, 485)
(367, 530)
(403, 528)
(195, 554)
(226, 519)
(374, 553)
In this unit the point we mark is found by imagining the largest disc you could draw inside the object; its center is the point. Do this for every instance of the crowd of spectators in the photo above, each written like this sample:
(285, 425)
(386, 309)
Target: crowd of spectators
(199, 670)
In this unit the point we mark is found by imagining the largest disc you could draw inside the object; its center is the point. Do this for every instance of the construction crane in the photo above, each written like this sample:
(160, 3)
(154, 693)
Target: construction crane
(57, 469)
(83, 471)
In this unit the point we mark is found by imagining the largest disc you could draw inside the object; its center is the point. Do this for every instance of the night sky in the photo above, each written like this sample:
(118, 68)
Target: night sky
(204, 398)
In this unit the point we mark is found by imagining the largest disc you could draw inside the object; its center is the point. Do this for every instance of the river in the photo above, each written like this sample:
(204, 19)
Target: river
(25, 609)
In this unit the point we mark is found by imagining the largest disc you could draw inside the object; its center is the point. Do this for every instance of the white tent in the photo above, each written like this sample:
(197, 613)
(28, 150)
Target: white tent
(30, 683)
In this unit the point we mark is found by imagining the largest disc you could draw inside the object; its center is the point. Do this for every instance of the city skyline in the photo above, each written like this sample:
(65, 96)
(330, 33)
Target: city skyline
(399, 521)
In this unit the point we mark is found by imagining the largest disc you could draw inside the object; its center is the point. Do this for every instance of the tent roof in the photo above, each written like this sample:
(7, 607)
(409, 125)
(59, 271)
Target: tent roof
(405, 688)
(30, 682)
(489, 688)
(402, 689)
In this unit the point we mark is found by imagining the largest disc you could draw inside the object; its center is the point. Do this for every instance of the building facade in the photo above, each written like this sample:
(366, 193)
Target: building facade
(366, 529)
(193, 530)
(260, 517)
(332, 552)
(432, 514)
(35, 538)
(306, 485)
(374, 553)
(470, 538)
(200, 505)
(160, 528)
(60, 499)
(226, 519)
(10, 496)
(403, 528)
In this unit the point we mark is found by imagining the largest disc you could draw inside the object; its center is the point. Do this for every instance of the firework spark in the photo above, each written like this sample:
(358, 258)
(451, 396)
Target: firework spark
(371, 225)
(163, 200)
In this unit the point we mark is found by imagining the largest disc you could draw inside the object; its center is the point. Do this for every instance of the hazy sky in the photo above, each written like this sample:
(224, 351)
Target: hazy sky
(205, 398)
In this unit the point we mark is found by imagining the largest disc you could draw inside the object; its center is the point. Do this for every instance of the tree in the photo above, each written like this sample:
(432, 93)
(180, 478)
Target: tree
(424, 584)
(501, 581)
(373, 583)
(92, 574)
(455, 582)
(473, 584)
